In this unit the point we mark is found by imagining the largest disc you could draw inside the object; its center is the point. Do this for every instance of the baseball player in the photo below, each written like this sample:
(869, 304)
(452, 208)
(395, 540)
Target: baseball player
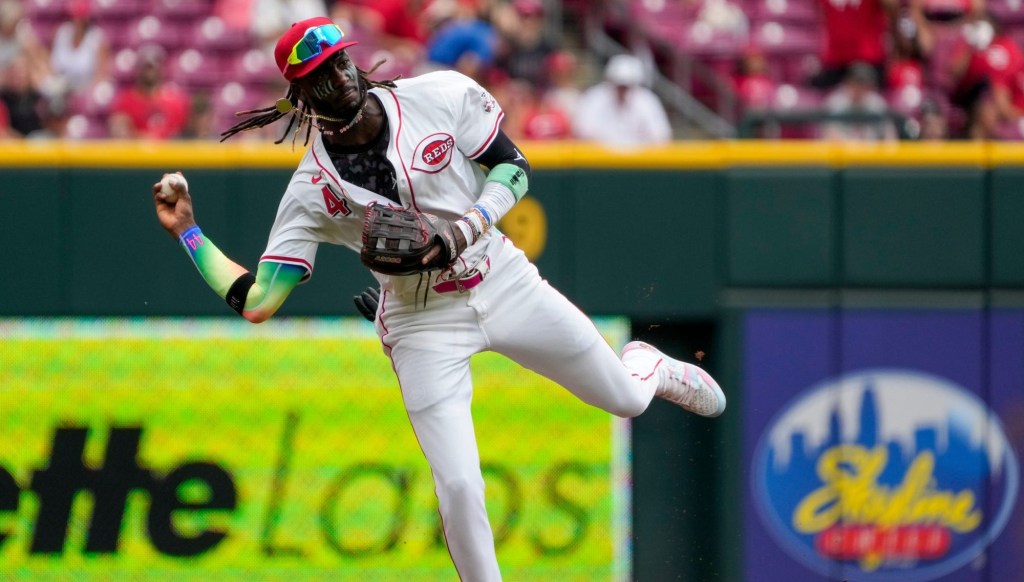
(432, 145)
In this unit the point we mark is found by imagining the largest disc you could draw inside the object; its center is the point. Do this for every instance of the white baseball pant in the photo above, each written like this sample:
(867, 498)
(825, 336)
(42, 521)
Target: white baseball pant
(513, 312)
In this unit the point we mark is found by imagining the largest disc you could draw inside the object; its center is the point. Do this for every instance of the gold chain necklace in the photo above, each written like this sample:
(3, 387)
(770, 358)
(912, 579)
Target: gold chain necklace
(283, 105)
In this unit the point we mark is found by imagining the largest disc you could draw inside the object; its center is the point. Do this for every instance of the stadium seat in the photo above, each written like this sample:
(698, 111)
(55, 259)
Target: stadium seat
(45, 9)
(45, 29)
(151, 30)
(233, 97)
(946, 38)
(704, 42)
(778, 38)
(82, 126)
(122, 69)
(669, 11)
(182, 10)
(1009, 13)
(789, 97)
(906, 100)
(213, 35)
(789, 11)
(195, 70)
(1011, 131)
(662, 19)
(251, 67)
(118, 11)
(95, 101)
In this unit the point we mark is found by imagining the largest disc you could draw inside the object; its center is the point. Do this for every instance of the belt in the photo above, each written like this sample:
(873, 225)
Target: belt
(467, 281)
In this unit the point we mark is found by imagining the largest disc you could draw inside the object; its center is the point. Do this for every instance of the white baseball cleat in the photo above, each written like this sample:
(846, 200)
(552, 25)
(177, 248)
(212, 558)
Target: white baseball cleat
(684, 384)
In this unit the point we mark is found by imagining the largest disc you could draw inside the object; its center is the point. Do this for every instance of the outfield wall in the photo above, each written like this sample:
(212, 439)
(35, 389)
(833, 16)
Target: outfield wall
(674, 228)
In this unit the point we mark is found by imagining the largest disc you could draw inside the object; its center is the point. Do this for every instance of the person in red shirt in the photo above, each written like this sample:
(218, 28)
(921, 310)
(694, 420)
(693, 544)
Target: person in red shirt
(983, 57)
(913, 42)
(152, 108)
(1001, 116)
(855, 31)
(5, 122)
(544, 120)
(755, 87)
(397, 25)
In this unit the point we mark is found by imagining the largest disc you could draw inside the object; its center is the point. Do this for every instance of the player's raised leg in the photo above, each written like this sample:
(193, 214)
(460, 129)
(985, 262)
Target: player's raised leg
(679, 382)
(549, 335)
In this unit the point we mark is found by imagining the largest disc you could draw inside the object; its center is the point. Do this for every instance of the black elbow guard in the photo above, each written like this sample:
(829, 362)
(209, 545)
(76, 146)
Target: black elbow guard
(238, 292)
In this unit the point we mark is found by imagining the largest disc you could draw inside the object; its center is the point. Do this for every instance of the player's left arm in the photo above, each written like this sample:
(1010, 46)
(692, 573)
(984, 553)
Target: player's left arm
(507, 181)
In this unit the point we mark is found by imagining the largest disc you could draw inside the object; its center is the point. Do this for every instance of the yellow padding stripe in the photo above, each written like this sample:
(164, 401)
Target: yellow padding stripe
(677, 155)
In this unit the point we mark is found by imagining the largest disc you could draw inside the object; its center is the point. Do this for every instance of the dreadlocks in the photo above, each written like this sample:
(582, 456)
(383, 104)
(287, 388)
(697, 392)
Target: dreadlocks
(300, 116)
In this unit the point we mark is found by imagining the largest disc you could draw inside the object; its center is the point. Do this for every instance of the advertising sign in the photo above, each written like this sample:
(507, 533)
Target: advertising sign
(217, 450)
(880, 445)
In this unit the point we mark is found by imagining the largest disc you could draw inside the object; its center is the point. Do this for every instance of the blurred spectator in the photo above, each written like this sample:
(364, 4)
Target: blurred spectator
(1002, 115)
(396, 25)
(5, 122)
(202, 119)
(21, 97)
(18, 40)
(542, 119)
(858, 94)
(562, 88)
(983, 55)
(80, 55)
(54, 114)
(523, 44)
(933, 122)
(854, 32)
(913, 42)
(620, 112)
(152, 108)
(755, 87)
(460, 39)
(517, 98)
(722, 17)
(906, 82)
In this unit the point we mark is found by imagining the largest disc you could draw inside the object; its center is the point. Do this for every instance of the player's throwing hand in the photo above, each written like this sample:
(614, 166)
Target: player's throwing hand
(176, 217)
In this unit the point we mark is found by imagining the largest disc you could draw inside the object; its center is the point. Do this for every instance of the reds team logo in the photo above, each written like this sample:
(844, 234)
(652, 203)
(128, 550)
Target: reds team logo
(433, 153)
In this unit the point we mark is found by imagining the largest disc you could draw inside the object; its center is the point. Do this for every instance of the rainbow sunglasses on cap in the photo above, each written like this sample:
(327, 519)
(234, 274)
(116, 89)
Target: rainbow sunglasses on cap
(307, 44)
(312, 43)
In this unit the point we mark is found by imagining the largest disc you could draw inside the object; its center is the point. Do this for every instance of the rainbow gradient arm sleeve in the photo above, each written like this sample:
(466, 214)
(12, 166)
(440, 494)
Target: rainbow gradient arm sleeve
(274, 281)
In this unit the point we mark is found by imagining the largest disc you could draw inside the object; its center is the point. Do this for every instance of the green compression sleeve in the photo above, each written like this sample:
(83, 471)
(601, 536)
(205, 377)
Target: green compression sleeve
(274, 281)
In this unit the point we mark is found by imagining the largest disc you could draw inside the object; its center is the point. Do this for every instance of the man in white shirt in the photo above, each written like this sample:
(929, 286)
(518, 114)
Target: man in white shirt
(620, 112)
(858, 95)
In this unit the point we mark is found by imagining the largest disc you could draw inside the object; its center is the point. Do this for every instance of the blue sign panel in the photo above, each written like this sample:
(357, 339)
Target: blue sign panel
(874, 444)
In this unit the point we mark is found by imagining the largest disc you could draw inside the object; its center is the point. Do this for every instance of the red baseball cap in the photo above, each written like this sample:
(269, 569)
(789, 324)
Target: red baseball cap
(316, 41)
(79, 8)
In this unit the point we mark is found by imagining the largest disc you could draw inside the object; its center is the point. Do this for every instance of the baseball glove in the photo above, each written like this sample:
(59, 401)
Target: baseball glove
(396, 240)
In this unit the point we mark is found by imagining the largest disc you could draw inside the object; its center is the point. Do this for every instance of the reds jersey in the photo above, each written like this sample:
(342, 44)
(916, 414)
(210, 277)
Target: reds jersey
(438, 122)
(855, 30)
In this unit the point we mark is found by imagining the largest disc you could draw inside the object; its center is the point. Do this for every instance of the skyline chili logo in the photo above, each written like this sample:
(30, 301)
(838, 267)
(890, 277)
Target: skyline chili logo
(895, 474)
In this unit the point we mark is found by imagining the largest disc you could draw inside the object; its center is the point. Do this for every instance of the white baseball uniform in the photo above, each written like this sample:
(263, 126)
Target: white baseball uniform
(438, 123)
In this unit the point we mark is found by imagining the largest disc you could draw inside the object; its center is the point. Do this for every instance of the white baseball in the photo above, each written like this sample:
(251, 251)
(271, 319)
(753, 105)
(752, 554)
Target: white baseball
(168, 184)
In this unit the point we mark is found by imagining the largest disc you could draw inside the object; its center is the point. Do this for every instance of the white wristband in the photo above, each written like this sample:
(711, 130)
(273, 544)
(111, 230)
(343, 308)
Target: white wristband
(467, 231)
